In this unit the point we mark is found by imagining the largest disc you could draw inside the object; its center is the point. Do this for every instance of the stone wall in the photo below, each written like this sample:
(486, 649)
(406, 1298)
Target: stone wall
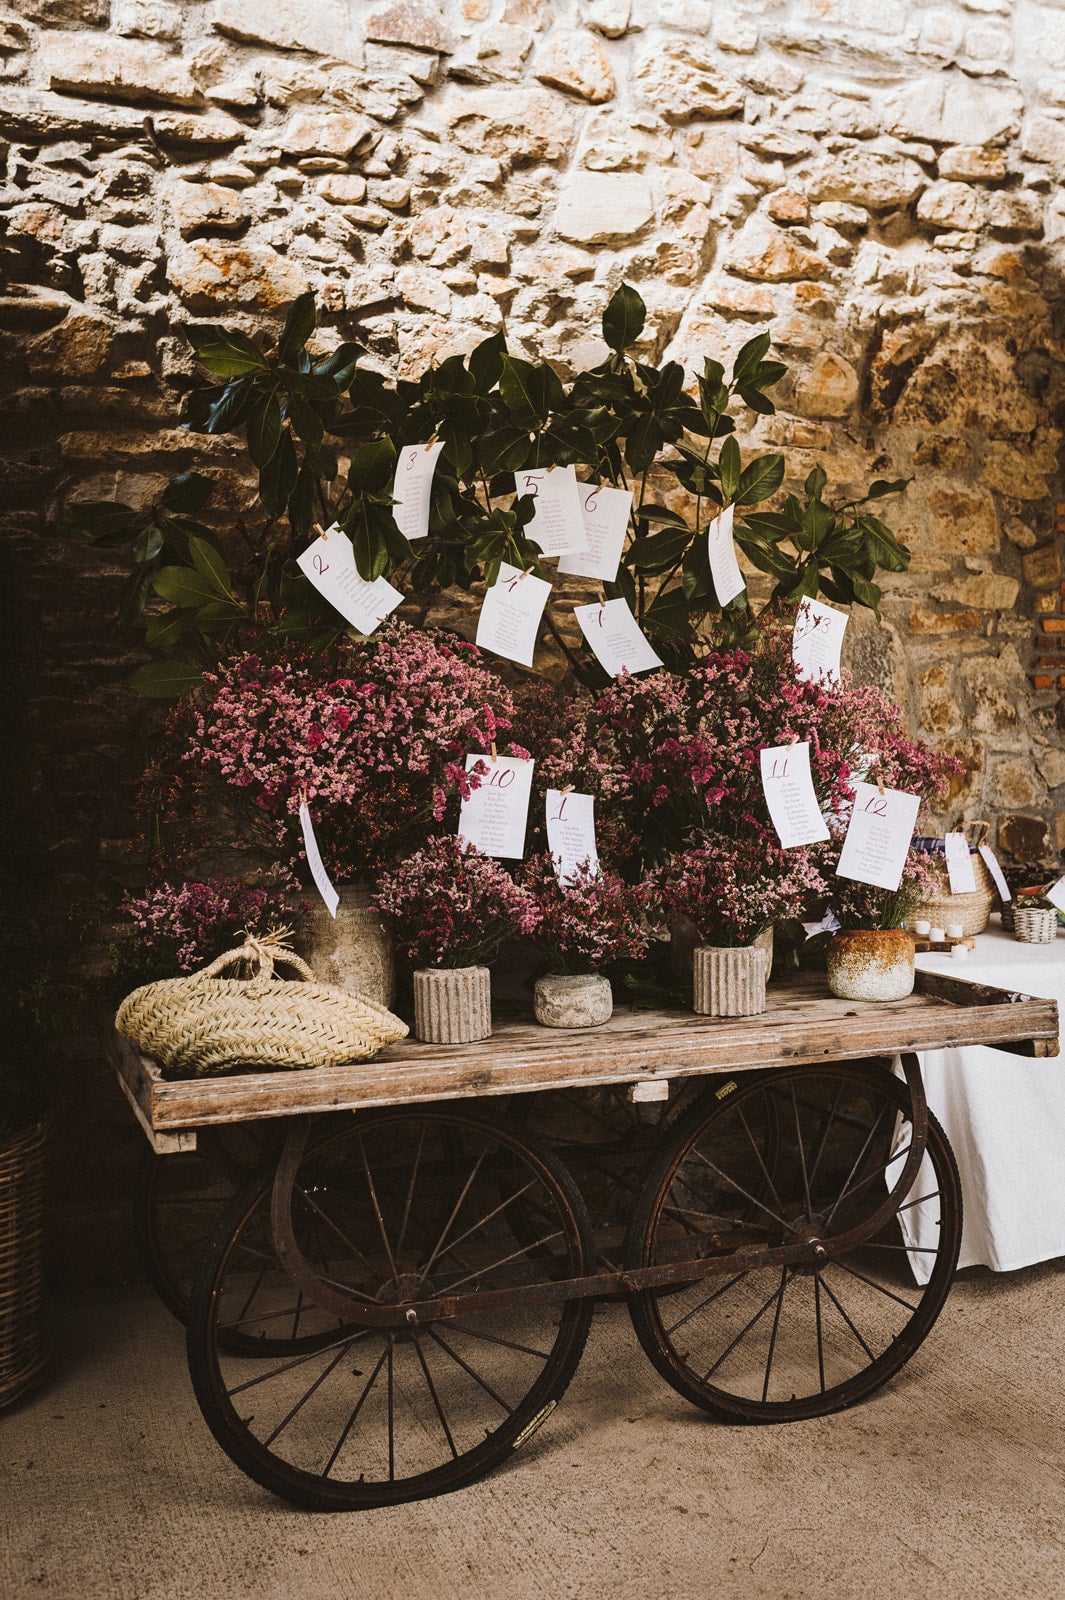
(874, 182)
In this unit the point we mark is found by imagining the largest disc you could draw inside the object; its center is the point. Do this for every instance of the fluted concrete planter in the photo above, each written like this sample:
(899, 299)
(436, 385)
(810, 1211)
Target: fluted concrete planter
(350, 950)
(582, 1001)
(684, 939)
(452, 1005)
(729, 982)
(871, 964)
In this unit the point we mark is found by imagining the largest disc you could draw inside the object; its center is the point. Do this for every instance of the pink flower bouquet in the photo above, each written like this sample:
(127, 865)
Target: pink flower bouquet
(734, 889)
(449, 906)
(588, 922)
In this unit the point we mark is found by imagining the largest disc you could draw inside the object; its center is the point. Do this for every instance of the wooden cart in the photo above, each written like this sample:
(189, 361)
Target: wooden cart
(391, 1303)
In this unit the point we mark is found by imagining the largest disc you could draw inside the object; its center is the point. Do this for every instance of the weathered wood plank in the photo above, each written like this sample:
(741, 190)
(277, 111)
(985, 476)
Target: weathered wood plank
(136, 1078)
(801, 1025)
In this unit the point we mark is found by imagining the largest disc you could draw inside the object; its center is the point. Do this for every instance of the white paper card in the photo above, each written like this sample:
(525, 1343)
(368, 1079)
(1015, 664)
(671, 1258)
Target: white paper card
(571, 833)
(493, 818)
(605, 513)
(817, 640)
(330, 565)
(1056, 894)
(314, 861)
(412, 488)
(789, 794)
(991, 863)
(959, 864)
(878, 836)
(615, 639)
(510, 614)
(724, 568)
(557, 525)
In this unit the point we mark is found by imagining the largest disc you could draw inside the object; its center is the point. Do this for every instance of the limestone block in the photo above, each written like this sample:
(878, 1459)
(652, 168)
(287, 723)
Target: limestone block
(950, 205)
(993, 682)
(710, 152)
(417, 23)
(532, 124)
(327, 133)
(208, 128)
(1051, 764)
(988, 48)
(70, 11)
(828, 387)
(763, 252)
(147, 19)
(966, 383)
(1024, 838)
(841, 216)
(320, 26)
(493, 53)
(617, 144)
(573, 59)
(1042, 567)
(682, 80)
(1013, 783)
(342, 189)
(438, 236)
(1018, 473)
(1043, 139)
(962, 520)
(734, 32)
(127, 69)
(78, 347)
(603, 208)
(608, 17)
(922, 621)
(986, 591)
(941, 33)
(423, 290)
(788, 205)
(393, 193)
(693, 16)
(252, 277)
(1020, 534)
(13, 36)
(939, 709)
(878, 179)
(205, 206)
(973, 163)
(1015, 215)
(952, 109)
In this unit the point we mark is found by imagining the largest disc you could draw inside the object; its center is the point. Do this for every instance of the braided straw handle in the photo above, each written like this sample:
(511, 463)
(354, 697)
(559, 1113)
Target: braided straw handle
(266, 952)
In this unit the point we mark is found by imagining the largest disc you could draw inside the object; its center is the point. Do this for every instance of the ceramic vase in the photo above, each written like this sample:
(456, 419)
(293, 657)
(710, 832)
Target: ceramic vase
(729, 982)
(352, 949)
(452, 1005)
(871, 964)
(584, 1000)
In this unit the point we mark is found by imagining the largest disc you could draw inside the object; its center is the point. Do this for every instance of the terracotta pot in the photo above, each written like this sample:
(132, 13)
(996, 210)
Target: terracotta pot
(730, 982)
(872, 964)
(581, 1001)
(452, 1005)
(352, 949)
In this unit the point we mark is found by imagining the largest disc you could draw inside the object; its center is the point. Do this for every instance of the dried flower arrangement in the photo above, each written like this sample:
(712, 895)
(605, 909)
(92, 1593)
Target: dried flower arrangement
(588, 922)
(449, 906)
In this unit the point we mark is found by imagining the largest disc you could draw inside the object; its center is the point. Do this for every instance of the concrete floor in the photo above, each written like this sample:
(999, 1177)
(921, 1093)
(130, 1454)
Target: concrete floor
(949, 1482)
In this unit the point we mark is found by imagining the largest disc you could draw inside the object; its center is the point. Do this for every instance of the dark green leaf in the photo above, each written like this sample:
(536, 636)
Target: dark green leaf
(185, 586)
(187, 493)
(167, 629)
(729, 466)
(661, 515)
(759, 481)
(339, 364)
(264, 429)
(815, 483)
(373, 467)
(882, 545)
(669, 611)
(135, 593)
(486, 362)
(225, 352)
(530, 393)
(750, 357)
(757, 401)
(303, 505)
(300, 323)
(883, 486)
(229, 409)
(657, 552)
(867, 594)
(624, 318)
(209, 564)
(105, 523)
(165, 680)
(147, 545)
(278, 478)
(305, 420)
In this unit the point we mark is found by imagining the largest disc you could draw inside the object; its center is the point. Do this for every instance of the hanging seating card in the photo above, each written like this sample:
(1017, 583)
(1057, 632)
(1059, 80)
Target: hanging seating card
(557, 526)
(614, 637)
(314, 860)
(571, 833)
(493, 819)
(724, 568)
(330, 565)
(412, 488)
(990, 860)
(878, 836)
(789, 794)
(1056, 894)
(605, 512)
(959, 864)
(817, 640)
(510, 614)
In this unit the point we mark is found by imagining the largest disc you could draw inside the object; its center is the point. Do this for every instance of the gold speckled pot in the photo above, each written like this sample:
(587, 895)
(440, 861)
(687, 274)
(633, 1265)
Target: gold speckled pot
(872, 964)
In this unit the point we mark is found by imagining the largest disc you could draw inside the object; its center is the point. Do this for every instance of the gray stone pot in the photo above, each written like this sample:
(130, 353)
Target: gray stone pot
(730, 982)
(351, 950)
(452, 1005)
(581, 1001)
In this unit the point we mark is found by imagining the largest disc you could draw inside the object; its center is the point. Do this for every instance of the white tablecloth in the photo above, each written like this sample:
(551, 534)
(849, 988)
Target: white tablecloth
(1004, 1115)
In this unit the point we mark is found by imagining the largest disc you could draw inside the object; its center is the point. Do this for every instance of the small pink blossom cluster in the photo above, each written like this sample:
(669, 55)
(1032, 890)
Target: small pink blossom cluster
(449, 906)
(588, 922)
(181, 926)
(864, 906)
(375, 738)
(732, 889)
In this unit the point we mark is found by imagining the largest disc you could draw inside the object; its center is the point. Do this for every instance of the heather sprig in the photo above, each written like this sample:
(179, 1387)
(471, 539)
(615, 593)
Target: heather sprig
(588, 922)
(177, 927)
(449, 906)
(732, 889)
(858, 906)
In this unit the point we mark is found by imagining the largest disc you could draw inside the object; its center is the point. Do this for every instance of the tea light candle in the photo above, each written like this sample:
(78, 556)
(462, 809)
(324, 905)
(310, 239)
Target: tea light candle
(955, 930)
(922, 928)
(959, 952)
(936, 935)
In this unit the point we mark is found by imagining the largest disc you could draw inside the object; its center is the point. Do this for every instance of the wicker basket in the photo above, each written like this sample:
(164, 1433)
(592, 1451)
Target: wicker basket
(205, 1024)
(1035, 924)
(972, 911)
(23, 1346)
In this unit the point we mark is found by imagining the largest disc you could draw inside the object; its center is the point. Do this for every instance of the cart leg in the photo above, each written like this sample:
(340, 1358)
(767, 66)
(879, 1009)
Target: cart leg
(395, 1207)
(804, 1154)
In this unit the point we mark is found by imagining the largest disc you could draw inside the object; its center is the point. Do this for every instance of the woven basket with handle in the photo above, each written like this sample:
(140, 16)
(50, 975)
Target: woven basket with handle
(206, 1024)
(971, 910)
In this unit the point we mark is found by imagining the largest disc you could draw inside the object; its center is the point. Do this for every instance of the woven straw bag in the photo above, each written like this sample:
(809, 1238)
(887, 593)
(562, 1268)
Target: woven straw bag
(972, 910)
(204, 1024)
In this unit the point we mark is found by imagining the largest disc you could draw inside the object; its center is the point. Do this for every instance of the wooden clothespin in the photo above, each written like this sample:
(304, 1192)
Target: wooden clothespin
(433, 437)
(302, 792)
(567, 790)
(495, 755)
(320, 531)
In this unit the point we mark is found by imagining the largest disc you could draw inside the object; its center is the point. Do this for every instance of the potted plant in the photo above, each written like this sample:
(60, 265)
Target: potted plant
(733, 890)
(587, 920)
(871, 956)
(449, 910)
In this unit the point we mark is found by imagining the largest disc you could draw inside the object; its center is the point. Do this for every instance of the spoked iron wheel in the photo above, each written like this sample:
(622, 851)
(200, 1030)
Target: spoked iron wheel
(797, 1157)
(179, 1199)
(399, 1207)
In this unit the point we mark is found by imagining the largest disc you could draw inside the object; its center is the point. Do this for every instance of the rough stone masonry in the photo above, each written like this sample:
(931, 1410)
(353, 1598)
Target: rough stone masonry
(875, 181)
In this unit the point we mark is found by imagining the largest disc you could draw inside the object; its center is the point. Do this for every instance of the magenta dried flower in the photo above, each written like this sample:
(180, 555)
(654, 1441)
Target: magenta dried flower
(588, 922)
(449, 906)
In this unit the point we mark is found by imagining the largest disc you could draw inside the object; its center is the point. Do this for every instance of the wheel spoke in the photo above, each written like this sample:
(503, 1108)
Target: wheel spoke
(436, 1399)
(820, 1335)
(859, 1158)
(874, 1285)
(410, 1190)
(456, 1208)
(465, 1365)
(802, 1151)
(341, 1235)
(839, 1307)
(759, 1159)
(744, 1331)
(522, 1250)
(371, 1380)
(826, 1130)
(299, 1361)
(494, 1338)
(391, 1411)
(746, 1193)
(709, 1300)
(488, 1216)
(773, 1335)
(380, 1219)
(322, 1376)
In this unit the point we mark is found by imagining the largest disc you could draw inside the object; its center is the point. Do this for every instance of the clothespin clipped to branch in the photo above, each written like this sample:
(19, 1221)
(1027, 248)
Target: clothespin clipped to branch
(433, 437)
(495, 753)
(567, 790)
(302, 794)
(983, 829)
(319, 530)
